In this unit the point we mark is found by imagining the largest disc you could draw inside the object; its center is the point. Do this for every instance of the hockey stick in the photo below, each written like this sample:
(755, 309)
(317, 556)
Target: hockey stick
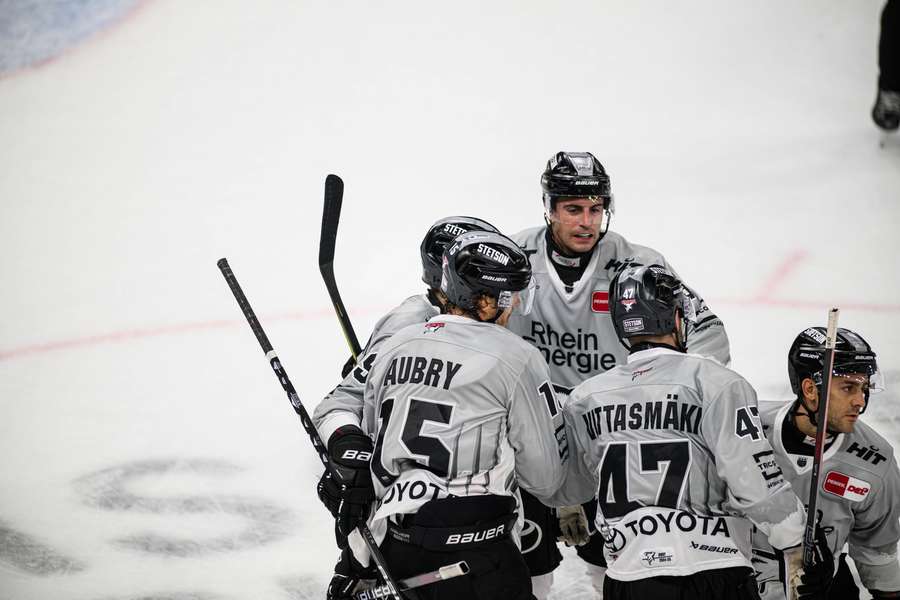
(809, 534)
(331, 214)
(301, 411)
(442, 574)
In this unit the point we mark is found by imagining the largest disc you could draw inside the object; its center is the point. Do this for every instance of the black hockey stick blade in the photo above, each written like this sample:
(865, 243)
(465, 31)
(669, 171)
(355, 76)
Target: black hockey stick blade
(411, 583)
(331, 214)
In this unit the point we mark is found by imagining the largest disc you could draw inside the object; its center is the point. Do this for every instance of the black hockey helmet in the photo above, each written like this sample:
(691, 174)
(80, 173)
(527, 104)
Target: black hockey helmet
(852, 354)
(575, 175)
(644, 301)
(438, 238)
(486, 263)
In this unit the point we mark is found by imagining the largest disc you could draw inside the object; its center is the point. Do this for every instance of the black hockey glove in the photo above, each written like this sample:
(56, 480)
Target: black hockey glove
(348, 494)
(815, 580)
(350, 577)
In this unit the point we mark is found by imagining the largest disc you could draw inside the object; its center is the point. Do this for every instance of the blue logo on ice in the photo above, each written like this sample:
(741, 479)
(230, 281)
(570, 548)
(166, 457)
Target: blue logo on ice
(35, 31)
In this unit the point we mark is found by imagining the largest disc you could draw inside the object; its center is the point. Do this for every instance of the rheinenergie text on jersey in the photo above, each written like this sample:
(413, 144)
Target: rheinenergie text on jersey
(579, 351)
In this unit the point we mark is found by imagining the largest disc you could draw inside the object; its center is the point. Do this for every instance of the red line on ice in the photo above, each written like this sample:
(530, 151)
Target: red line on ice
(143, 333)
(764, 298)
(804, 304)
(767, 289)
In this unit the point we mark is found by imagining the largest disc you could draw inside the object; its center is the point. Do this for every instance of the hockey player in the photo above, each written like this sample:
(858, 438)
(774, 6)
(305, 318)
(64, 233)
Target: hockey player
(859, 495)
(574, 258)
(343, 405)
(339, 415)
(669, 443)
(886, 112)
(463, 413)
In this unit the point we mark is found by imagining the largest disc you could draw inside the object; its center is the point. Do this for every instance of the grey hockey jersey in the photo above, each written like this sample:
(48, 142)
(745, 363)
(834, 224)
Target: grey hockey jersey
(460, 408)
(859, 502)
(343, 405)
(671, 446)
(574, 332)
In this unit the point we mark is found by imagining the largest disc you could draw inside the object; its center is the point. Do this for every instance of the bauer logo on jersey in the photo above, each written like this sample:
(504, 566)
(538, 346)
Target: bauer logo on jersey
(634, 325)
(845, 486)
(600, 301)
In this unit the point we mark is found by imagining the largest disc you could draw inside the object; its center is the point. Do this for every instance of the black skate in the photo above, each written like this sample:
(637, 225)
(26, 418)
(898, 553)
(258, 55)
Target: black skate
(886, 112)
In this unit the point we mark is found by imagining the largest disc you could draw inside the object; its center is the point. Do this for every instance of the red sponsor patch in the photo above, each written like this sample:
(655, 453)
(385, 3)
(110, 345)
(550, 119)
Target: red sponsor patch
(433, 326)
(600, 302)
(847, 487)
(835, 483)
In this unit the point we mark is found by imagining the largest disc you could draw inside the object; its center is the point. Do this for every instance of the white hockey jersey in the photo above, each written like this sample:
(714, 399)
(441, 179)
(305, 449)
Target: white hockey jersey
(344, 404)
(460, 408)
(858, 502)
(671, 446)
(574, 332)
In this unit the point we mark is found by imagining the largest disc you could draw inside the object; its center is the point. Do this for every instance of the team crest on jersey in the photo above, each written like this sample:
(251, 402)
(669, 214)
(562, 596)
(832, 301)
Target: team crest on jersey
(600, 301)
(640, 372)
(851, 488)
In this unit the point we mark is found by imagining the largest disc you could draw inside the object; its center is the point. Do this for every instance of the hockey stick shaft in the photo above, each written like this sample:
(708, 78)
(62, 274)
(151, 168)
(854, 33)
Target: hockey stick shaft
(331, 215)
(809, 534)
(442, 574)
(305, 419)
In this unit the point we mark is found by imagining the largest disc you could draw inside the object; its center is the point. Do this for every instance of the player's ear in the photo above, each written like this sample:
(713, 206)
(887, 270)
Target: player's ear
(487, 307)
(810, 392)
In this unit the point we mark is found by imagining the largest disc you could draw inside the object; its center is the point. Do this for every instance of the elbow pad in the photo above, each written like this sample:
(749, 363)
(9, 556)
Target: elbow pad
(884, 578)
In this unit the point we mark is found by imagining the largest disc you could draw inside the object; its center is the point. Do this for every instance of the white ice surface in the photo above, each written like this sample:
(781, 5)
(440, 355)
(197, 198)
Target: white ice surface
(147, 451)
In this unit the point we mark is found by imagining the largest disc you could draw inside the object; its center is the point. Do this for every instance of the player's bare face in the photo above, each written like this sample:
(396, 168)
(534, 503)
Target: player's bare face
(847, 400)
(575, 224)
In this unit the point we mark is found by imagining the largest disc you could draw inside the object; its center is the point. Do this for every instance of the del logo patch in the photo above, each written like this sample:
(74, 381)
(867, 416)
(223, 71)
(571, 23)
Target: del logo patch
(600, 302)
(845, 486)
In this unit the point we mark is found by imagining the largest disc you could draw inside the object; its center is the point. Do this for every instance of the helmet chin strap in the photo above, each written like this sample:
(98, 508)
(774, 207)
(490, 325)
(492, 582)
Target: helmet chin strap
(809, 414)
(681, 332)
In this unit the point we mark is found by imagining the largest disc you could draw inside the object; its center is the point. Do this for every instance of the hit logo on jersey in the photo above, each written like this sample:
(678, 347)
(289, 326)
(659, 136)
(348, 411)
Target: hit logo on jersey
(600, 301)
